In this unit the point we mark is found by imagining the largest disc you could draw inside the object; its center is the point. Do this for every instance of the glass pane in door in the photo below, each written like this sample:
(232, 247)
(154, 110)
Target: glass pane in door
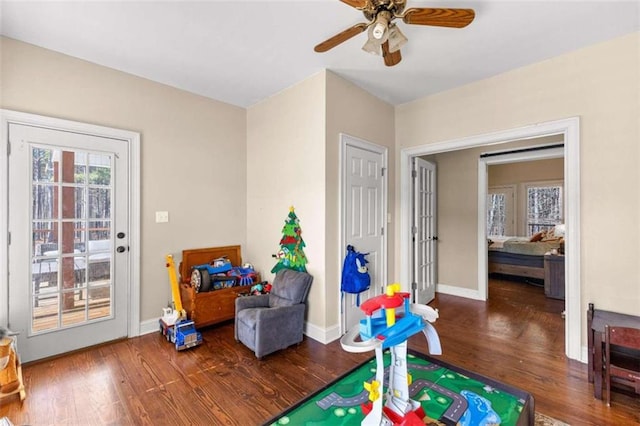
(71, 238)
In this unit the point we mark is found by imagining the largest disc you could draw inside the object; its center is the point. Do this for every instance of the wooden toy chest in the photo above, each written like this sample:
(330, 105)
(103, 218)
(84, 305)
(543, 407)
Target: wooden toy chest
(211, 307)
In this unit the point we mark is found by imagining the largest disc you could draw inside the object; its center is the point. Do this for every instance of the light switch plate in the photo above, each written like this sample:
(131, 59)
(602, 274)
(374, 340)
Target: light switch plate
(162, 217)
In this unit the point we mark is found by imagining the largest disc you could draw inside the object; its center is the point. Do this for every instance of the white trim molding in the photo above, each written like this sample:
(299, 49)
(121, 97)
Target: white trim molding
(133, 139)
(322, 335)
(570, 130)
(453, 290)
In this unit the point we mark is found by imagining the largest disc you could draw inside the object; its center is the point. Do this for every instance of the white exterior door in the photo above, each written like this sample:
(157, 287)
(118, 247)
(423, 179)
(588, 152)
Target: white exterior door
(364, 216)
(68, 253)
(424, 231)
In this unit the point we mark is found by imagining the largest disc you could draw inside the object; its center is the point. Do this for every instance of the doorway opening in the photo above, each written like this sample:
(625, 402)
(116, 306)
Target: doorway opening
(568, 130)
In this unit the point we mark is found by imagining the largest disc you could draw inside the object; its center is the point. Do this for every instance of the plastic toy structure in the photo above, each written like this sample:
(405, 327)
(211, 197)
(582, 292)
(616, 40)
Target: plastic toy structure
(385, 328)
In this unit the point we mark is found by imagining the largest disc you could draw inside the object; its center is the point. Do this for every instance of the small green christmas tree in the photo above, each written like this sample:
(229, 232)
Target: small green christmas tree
(291, 254)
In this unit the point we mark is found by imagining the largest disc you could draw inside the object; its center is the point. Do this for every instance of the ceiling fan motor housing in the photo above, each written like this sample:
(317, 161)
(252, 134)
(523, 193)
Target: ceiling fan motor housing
(374, 7)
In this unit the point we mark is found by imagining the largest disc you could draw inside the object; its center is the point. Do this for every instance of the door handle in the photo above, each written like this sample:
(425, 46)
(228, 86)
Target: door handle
(121, 249)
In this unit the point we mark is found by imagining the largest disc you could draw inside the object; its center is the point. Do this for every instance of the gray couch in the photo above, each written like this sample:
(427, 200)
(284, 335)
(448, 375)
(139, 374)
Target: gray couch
(269, 322)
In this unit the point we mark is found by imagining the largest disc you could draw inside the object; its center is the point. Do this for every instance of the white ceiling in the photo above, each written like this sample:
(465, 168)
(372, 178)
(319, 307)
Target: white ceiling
(241, 52)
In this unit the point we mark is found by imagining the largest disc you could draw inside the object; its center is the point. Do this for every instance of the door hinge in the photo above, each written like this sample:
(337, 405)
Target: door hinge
(414, 230)
(414, 174)
(9, 238)
(382, 231)
(8, 148)
(383, 172)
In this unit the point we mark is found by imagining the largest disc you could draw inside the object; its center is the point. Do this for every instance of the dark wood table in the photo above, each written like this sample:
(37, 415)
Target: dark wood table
(596, 320)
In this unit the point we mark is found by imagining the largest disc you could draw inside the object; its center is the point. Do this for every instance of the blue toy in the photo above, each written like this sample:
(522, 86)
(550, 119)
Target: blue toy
(355, 274)
(201, 274)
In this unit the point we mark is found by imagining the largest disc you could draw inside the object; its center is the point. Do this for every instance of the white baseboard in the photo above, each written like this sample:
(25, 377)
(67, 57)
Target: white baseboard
(322, 335)
(458, 291)
(149, 326)
(584, 355)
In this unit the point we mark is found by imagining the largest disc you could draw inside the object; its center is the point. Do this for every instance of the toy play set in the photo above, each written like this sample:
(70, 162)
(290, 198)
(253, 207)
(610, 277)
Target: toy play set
(382, 329)
(404, 387)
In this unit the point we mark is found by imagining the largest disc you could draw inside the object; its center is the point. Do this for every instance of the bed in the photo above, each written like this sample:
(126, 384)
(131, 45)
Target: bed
(520, 256)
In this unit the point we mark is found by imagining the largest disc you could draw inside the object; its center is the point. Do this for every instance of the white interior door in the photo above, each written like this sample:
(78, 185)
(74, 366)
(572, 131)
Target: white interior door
(424, 231)
(68, 252)
(364, 218)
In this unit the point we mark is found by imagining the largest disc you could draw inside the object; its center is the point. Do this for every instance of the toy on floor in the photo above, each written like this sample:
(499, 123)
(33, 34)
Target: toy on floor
(174, 324)
(382, 329)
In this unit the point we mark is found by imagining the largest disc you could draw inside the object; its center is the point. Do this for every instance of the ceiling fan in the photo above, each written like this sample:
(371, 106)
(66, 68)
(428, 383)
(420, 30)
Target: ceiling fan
(384, 37)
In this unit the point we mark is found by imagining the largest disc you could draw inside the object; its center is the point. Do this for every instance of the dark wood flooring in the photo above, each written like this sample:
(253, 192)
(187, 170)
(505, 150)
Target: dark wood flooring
(517, 338)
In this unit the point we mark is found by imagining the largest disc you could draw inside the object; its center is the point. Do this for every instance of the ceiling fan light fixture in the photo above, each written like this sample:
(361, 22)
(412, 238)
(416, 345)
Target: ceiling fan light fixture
(372, 46)
(378, 30)
(396, 38)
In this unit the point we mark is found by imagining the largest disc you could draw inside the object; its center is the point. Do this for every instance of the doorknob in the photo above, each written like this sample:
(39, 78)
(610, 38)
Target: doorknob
(120, 249)
(120, 235)
(435, 238)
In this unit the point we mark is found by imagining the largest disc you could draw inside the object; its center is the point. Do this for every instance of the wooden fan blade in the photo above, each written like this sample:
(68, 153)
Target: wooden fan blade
(390, 58)
(358, 4)
(340, 37)
(454, 18)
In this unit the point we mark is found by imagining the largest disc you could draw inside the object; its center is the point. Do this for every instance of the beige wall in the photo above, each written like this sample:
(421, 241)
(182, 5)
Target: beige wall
(200, 156)
(285, 167)
(293, 159)
(527, 171)
(352, 111)
(231, 171)
(599, 84)
(193, 154)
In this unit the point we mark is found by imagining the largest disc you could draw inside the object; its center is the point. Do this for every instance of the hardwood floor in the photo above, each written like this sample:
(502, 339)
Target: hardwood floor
(517, 338)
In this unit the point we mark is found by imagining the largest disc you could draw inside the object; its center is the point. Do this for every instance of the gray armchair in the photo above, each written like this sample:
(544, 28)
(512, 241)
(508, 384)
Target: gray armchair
(269, 322)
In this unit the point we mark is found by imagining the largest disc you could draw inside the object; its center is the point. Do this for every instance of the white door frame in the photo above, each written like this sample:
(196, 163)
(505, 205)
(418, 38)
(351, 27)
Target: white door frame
(570, 129)
(345, 140)
(133, 138)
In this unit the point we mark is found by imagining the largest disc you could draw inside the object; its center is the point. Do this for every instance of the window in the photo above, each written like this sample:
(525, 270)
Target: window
(544, 206)
(500, 210)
